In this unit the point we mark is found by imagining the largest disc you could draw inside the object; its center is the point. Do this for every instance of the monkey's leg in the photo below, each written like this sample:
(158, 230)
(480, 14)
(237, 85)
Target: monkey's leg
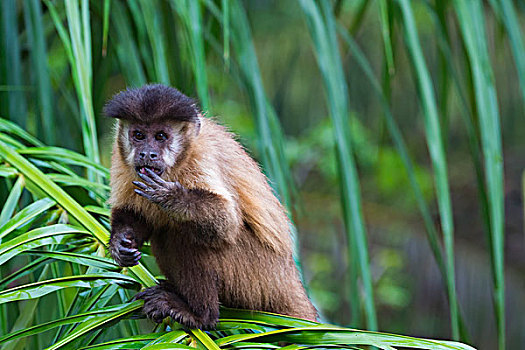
(162, 301)
(128, 233)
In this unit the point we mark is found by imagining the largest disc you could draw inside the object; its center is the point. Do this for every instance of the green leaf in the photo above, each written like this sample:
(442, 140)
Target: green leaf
(270, 135)
(161, 346)
(47, 235)
(9, 127)
(11, 201)
(437, 155)
(78, 258)
(472, 24)
(41, 288)
(323, 32)
(80, 60)
(99, 189)
(39, 59)
(265, 318)
(16, 100)
(26, 215)
(328, 334)
(97, 323)
(190, 14)
(98, 210)
(79, 318)
(204, 339)
(126, 47)
(169, 339)
(134, 342)
(65, 156)
(509, 16)
(153, 22)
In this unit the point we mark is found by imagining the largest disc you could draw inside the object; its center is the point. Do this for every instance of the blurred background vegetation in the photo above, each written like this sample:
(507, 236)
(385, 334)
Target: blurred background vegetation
(392, 130)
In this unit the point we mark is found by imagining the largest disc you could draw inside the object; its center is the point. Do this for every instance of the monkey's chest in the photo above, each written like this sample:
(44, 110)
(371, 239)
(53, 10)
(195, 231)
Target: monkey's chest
(177, 250)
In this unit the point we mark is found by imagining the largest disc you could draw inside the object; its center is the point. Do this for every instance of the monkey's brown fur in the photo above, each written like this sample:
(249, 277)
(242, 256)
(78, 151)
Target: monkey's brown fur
(219, 234)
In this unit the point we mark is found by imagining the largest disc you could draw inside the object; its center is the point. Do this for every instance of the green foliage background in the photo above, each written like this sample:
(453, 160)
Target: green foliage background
(379, 123)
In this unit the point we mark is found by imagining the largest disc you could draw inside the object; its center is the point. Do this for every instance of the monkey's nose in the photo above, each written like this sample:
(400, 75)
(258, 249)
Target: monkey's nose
(151, 155)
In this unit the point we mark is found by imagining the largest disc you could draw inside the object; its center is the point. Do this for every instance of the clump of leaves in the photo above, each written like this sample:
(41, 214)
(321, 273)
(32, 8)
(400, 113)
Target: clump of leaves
(59, 288)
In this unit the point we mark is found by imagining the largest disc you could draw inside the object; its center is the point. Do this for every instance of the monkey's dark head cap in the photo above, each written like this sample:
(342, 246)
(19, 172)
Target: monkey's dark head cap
(149, 103)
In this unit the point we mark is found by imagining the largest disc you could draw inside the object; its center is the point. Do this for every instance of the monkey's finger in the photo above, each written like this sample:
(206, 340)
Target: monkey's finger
(143, 194)
(125, 240)
(148, 180)
(140, 185)
(126, 251)
(155, 177)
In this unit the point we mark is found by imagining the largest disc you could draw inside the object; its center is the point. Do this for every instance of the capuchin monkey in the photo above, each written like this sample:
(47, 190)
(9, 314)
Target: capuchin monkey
(217, 231)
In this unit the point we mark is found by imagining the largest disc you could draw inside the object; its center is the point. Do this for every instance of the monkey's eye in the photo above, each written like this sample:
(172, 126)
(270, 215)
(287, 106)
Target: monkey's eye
(137, 135)
(160, 136)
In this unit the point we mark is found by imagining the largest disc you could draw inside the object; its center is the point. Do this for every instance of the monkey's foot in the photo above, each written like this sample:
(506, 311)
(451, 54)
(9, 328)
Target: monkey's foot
(161, 302)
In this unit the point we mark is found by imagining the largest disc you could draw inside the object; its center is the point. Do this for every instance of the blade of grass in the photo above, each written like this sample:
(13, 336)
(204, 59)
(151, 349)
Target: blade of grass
(190, 14)
(321, 26)
(508, 15)
(65, 156)
(437, 155)
(41, 288)
(26, 316)
(25, 216)
(385, 32)
(401, 147)
(47, 235)
(142, 38)
(126, 47)
(11, 128)
(204, 339)
(472, 25)
(80, 39)
(11, 202)
(39, 59)
(15, 98)
(152, 20)
(360, 15)
(96, 323)
(78, 258)
(226, 32)
(328, 334)
(269, 133)
(105, 27)
(23, 271)
(133, 342)
(83, 317)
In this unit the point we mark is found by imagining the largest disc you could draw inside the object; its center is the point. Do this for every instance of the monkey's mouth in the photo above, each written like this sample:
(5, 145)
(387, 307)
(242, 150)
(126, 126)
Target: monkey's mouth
(142, 170)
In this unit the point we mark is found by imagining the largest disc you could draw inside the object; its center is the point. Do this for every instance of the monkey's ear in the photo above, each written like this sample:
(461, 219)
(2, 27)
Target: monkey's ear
(198, 123)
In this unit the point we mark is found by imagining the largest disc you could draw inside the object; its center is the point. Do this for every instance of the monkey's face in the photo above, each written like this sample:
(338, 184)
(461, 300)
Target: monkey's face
(156, 146)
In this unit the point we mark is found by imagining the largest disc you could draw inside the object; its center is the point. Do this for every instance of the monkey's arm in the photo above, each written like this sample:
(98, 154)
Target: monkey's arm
(128, 232)
(213, 214)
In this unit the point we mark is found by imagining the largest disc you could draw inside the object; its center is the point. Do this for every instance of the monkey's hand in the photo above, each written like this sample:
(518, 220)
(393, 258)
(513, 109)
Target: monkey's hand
(124, 248)
(157, 190)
